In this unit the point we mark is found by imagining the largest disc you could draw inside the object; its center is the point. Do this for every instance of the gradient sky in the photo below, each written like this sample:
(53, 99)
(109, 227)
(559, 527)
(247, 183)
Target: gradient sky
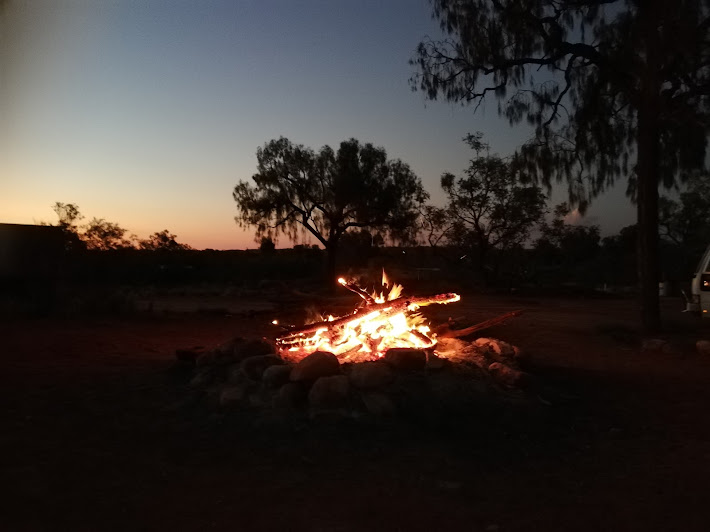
(147, 113)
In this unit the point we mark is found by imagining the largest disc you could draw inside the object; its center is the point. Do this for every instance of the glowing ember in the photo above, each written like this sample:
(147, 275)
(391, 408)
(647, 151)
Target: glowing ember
(383, 321)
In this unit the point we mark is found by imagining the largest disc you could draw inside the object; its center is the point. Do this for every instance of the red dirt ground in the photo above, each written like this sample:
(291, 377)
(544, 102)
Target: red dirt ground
(97, 435)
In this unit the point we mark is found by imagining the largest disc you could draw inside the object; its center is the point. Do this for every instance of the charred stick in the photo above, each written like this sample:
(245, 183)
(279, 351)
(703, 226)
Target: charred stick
(359, 291)
(448, 333)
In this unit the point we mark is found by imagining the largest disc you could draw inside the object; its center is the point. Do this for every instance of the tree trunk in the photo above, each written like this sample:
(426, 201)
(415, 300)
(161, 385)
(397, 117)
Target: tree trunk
(483, 272)
(648, 174)
(331, 250)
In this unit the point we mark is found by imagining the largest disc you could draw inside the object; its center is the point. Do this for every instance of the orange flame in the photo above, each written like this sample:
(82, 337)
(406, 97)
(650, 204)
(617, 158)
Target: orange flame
(368, 335)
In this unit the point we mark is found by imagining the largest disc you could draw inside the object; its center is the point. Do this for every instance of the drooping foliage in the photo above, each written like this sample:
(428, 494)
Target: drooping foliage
(575, 71)
(608, 85)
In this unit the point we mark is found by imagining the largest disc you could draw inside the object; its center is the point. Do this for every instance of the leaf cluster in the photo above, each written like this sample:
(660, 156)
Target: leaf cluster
(327, 192)
(490, 206)
(686, 222)
(575, 70)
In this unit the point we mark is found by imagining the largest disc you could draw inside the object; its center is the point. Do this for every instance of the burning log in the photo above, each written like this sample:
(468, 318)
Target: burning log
(371, 329)
(389, 308)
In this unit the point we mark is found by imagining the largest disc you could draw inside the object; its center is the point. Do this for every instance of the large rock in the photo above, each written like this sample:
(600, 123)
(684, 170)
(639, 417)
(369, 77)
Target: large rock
(314, 366)
(291, 395)
(507, 376)
(276, 376)
(252, 348)
(260, 398)
(189, 356)
(378, 404)
(203, 377)
(653, 345)
(227, 348)
(206, 359)
(254, 367)
(497, 349)
(703, 347)
(435, 363)
(371, 375)
(329, 391)
(406, 358)
(233, 395)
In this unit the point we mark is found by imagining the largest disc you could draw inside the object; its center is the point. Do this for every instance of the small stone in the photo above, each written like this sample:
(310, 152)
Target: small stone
(235, 375)
(259, 399)
(212, 394)
(703, 347)
(189, 355)
(276, 376)
(670, 350)
(378, 404)
(214, 358)
(206, 359)
(203, 377)
(329, 391)
(314, 366)
(252, 348)
(436, 363)
(254, 367)
(406, 358)
(232, 395)
(227, 348)
(291, 395)
(506, 375)
(371, 375)
(653, 345)
(497, 349)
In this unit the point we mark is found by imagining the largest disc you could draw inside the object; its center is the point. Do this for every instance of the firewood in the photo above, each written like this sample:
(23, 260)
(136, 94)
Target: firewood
(388, 308)
(445, 332)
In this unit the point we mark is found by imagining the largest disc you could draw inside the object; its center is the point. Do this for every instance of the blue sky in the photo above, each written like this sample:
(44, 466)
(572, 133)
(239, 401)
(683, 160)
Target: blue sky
(147, 113)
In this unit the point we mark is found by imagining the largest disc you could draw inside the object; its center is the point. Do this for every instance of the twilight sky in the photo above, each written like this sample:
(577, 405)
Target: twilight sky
(147, 113)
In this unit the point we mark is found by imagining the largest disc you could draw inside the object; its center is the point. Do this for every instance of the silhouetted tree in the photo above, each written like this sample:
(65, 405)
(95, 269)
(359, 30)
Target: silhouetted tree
(489, 208)
(69, 215)
(162, 240)
(434, 226)
(686, 222)
(326, 193)
(685, 228)
(568, 251)
(267, 245)
(618, 256)
(103, 236)
(629, 80)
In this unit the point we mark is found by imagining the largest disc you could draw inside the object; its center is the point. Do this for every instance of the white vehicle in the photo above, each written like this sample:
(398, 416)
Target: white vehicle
(700, 287)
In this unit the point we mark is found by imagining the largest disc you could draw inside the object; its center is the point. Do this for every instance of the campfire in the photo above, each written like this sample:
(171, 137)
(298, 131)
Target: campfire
(381, 357)
(383, 321)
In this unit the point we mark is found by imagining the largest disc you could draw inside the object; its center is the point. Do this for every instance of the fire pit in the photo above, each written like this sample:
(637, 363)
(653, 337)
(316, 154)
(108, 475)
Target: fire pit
(378, 359)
